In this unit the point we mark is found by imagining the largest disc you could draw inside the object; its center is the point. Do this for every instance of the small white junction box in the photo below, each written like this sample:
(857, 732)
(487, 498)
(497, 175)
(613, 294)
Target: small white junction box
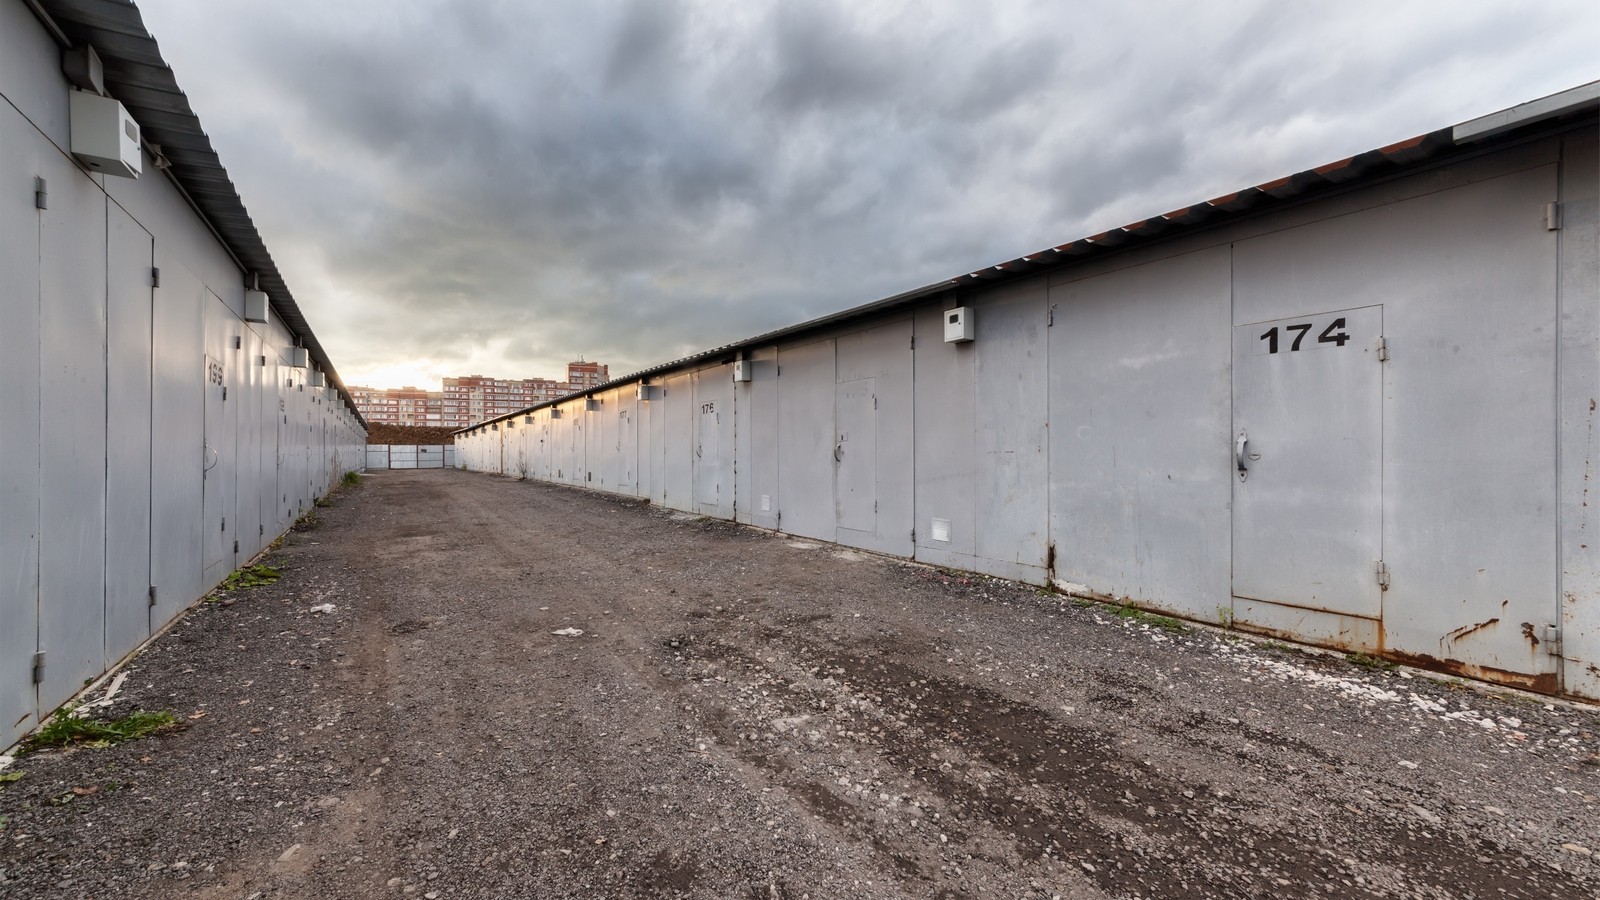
(255, 306)
(958, 325)
(741, 370)
(104, 137)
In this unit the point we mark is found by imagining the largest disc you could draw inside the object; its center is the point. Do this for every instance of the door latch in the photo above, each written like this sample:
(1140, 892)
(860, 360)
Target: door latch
(1238, 454)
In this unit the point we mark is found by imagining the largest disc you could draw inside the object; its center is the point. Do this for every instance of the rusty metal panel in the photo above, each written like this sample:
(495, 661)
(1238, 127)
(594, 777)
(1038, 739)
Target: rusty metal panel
(1466, 277)
(1308, 443)
(1579, 394)
(1140, 407)
(19, 410)
(1010, 381)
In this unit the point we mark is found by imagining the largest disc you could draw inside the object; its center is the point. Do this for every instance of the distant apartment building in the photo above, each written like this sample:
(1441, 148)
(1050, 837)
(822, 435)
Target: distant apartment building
(582, 375)
(400, 406)
(471, 399)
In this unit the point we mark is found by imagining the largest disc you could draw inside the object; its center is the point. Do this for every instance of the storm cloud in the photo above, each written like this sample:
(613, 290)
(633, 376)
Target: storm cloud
(496, 187)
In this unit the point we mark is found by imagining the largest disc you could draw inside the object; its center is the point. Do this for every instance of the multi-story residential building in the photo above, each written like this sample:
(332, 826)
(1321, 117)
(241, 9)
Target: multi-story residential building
(400, 406)
(581, 375)
(470, 399)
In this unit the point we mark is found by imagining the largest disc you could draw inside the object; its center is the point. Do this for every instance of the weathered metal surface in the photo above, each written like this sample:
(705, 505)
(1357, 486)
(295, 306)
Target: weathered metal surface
(806, 439)
(1578, 393)
(1428, 463)
(19, 410)
(72, 438)
(1141, 473)
(1011, 380)
(130, 255)
(1308, 435)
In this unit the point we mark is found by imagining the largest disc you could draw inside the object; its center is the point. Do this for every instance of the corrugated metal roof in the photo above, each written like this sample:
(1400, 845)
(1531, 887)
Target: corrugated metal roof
(137, 76)
(1429, 148)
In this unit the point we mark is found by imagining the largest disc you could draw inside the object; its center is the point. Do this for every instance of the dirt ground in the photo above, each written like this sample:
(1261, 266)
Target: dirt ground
(749, 715)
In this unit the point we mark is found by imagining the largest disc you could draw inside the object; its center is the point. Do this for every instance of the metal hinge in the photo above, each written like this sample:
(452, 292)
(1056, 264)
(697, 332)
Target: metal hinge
(236, 546)
(41, 194)
(1552, 217)
(874, 507)
(1551, 638)
(38, 667)
(153, 593)
(224, 523)
(224, 393)
(874, 401)
(913, 342)
(1383, 349)
(913, 535)
(1382, 571)
(238, 342)
(1050, 317)
(155, 276)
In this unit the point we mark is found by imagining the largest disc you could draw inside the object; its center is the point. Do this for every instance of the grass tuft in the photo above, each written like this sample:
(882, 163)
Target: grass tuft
(1375, 663)
(251, 576)
(351, 479)
(1166, 623)
(66, 729)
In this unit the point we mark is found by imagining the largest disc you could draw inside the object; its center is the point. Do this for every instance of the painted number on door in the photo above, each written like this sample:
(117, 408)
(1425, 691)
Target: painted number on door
(1290, 338)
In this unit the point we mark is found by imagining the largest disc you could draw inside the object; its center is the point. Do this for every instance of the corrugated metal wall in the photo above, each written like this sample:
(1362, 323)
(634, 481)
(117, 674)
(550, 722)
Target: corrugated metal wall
(151, 438)
(1088, 435)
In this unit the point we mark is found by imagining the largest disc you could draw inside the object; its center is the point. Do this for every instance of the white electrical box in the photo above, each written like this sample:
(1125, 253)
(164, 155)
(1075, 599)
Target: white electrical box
(958, 325)
(299, 357)
(315, 380)
(645, 391)
(104, 137)
(741, 370)
(255, 306)
(555, 412)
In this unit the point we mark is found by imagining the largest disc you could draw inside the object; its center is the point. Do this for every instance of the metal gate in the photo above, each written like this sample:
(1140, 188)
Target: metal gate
(1308, 488)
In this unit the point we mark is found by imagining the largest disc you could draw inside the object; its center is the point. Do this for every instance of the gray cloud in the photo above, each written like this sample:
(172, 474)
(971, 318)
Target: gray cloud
(497, 187)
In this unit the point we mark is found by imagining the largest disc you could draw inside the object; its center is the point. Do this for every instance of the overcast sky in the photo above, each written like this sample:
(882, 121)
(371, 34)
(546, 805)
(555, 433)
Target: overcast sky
(486, 187)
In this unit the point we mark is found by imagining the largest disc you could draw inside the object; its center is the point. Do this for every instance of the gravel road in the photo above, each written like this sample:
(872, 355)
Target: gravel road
(749, 715)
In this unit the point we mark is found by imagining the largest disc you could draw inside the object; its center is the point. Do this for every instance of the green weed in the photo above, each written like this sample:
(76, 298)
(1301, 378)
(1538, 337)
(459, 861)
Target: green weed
(251, 576)
(1375, 663)
(1166, 623)
(65, 729)
(351, 479)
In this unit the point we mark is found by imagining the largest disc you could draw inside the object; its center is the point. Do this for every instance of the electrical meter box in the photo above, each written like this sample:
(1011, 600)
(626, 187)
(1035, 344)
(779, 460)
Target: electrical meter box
(299, 357)
(315, 380)
(555, 412)
(645, 391)
(958, 325)
(104, 137)
(741, 370)
(255, 306)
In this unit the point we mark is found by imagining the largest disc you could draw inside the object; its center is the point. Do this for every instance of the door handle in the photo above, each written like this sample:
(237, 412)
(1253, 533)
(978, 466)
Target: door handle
(1238, 454)
(838, 453)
